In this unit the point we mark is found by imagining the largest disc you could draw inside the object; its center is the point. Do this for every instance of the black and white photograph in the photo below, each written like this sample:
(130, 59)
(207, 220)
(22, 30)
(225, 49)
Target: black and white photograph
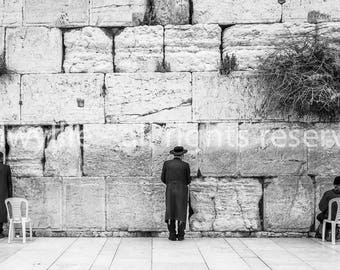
(169, 134)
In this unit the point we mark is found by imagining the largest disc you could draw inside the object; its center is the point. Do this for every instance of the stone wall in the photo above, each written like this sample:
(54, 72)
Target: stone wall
(88, 117)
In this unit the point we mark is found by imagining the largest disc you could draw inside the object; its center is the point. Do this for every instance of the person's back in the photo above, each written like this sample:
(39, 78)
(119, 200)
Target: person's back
(5, 191)
(324, 203)
(176, 176)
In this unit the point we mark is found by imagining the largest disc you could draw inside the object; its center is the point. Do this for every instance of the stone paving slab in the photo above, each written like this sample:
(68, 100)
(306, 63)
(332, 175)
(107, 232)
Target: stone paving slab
(160, 253)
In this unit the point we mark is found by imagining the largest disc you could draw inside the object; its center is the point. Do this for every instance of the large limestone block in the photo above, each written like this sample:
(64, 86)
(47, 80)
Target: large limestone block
(44, 195)
(218, 144)
(323, 144)
(2, 140)
(231, 12)
(10, 99)
(171, 12)
(219, 97)
(237, 205)
(26, 150)
(252, 43)
(148, 97)
(117, 149)
(84, 203)
(139, 49)
(225, 204)
(270, 149)
(117, 12)
(88, 49)
(289, 204)
(70, 98)
(2, 40)
(63, 152)
(311, 11)
(61, 13)
(135, 204)
(34, 49)
(166, 137)
(202, 201)
(193, 47)
(11, 12)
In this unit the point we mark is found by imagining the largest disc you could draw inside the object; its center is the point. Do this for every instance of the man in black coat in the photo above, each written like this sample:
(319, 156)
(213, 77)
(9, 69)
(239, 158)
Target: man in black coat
(323, 206)
(176, 176)
(5, 191)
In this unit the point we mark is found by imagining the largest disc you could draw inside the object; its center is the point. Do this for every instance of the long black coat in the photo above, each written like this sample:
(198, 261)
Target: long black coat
(5, 190)
(323, 205)
(176, 176)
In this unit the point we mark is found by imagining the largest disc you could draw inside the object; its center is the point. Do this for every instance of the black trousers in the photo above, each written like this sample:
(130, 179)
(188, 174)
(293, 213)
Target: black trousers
(1, 227)
(180, 227)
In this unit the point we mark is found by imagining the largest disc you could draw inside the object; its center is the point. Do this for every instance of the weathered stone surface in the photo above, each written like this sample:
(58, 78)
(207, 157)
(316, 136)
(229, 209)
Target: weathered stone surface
(218, 144)
(311, 11)
(88, 49)
(117, 12)
(44, 195)
(166, 137)
(237, 205)
(251, 43)
(26, 150)
(62, 154)
(34, 49)
(2, 140)
(139, 49)
(84, 203)
(323, 144)
(289, 204)
(330, 32)
(225, 204)
(9, 99)
(270, 149)
(218, 97)
(193, 47)
(61, 13)
(231, 12)
(144, 97)
(2, 40)
(70, 98)
(11, 12)
(117, 149)
(171, 12)
(135, 204)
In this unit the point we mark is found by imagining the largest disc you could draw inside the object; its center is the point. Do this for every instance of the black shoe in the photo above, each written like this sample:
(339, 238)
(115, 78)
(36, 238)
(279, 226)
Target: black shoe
(180, 237)
(318, 235)
(172, 237)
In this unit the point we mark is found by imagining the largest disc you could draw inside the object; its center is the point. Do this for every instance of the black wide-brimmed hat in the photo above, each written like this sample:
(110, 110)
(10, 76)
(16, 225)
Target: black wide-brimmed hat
(337, 181)
(178, 151)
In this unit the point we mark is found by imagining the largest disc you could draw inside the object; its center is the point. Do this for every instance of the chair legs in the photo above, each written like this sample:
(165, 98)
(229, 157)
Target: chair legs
(31, 231)
(333, 232)
(323, 230)
(10, 231)
(23, 224)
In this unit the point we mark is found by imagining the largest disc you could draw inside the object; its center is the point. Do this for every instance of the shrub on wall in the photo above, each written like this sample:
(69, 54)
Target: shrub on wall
(3, 67)
(303, 77)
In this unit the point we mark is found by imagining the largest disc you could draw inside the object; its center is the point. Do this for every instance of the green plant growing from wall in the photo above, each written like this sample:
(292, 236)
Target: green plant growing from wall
(3, 67)
(163, 66)
(301, 76)
(228, 64)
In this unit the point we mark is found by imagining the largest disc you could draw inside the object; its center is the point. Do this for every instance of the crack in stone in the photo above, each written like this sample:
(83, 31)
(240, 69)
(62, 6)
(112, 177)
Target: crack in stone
(249, 228)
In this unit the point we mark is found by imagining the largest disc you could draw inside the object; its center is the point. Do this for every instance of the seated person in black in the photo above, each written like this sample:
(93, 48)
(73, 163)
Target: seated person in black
(323, 206)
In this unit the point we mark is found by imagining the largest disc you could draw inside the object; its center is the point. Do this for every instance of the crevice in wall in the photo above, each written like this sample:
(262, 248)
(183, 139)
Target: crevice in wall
(81, 136)
(315, 203)
(7, 147)
(63, 31)
(191, 11)
(114, 32)
(223, 27)
(103, 94)
(261, 203)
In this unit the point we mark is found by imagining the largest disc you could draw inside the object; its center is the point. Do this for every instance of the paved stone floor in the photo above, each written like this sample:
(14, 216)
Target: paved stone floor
(159, 253)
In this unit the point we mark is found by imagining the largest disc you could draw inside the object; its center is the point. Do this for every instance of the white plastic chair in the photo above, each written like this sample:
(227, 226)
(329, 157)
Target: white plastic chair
(329, 219)
(15, 216)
